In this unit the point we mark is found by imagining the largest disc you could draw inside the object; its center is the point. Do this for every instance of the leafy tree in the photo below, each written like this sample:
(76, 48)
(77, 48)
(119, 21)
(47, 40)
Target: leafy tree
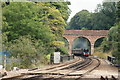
(23, 22)
(55, 15)
(43, 23)
(103, 18)
(81, 19)
(84, 28)
(113, 38)
(62, 7)
(30, 52)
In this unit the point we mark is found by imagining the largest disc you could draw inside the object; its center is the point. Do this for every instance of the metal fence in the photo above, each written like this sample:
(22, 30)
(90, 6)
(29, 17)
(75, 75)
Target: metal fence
(62, 58)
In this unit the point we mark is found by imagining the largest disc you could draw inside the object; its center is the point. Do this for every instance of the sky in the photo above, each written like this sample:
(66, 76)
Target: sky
(78, 5)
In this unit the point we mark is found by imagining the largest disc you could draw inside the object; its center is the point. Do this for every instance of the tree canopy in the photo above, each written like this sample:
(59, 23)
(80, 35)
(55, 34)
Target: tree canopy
(30, 29)
(103, 18)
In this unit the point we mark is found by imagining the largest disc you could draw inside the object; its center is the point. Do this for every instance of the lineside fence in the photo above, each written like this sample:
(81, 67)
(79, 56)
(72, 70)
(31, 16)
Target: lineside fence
(62, 58)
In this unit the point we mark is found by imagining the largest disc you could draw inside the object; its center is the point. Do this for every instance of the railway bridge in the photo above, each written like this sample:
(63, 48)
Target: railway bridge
(91, 35)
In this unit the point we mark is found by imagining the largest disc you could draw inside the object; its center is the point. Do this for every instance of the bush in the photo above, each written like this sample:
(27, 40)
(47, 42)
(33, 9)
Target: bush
(62, 50)
(31, 52)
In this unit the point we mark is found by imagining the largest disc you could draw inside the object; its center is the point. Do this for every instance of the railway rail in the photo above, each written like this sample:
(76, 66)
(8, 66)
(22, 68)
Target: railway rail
(75, 67)
(98, 64)
(83, 65)
(51, 69)
(55, 72)
(61, 67)
(78, 67)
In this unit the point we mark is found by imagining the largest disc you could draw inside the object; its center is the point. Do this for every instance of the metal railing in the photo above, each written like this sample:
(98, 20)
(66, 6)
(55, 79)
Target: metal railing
(62, 58)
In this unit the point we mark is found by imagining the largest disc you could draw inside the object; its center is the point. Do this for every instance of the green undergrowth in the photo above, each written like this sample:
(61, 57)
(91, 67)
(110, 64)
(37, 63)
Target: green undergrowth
(101, 55)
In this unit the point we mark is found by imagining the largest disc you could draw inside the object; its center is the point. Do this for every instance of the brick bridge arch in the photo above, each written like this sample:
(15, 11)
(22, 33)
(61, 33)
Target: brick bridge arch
(91, 35)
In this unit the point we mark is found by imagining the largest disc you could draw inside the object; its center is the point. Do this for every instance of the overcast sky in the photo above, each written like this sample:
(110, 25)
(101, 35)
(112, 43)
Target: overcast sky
(78, 5)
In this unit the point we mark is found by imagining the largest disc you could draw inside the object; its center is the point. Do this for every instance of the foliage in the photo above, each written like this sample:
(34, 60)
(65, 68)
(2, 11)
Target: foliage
(55, 15)
(99, 41)
(115, 37)
(23, 22)
(112, 42)
(105, 45)
(81, 19)
(83, 28)
(101, 54)
(66, 43)
(27, 50)
(60, 46)
(30, 28)
(103, 18)
(58, 43)
(62, 7)
(62, 50)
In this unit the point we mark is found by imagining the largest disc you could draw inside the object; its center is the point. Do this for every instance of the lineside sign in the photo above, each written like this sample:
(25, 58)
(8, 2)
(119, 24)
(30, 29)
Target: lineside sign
(56, 57)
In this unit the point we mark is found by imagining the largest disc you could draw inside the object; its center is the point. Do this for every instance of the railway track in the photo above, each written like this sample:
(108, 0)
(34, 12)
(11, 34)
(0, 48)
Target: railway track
(61, 67)
(78, 67)
(56, 76)
(75, 67)
(83, 65)
(97, 65)
(55, 73)
(57, 66)
(51, 69)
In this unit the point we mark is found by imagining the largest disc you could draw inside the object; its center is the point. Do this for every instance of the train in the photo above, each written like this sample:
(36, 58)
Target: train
(81, 52)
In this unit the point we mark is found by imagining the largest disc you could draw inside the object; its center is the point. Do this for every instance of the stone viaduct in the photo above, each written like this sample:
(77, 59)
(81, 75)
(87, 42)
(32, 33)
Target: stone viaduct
(91, 35)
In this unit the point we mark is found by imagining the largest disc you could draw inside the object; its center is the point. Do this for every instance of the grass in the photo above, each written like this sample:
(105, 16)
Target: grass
(102, 55)
(99, 52)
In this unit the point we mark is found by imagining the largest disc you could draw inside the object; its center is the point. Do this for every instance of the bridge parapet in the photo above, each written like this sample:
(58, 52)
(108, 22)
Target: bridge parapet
(86, 32)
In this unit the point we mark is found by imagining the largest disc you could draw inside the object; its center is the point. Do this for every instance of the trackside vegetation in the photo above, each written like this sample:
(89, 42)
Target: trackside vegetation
(105, 17)
(33, 31)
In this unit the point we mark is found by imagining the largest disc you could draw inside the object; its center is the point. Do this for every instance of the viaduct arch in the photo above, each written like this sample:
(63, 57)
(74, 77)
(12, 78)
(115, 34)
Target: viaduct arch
(91, 35)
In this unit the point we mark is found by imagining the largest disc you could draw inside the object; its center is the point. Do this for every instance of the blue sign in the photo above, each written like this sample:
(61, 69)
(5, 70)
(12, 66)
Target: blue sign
(4, 53)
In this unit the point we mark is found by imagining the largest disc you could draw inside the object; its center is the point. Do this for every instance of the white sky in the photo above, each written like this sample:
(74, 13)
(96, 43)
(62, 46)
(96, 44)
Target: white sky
(78, 5)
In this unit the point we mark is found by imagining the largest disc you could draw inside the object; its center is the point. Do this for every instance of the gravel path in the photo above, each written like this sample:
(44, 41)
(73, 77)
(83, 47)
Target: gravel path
(104, 70)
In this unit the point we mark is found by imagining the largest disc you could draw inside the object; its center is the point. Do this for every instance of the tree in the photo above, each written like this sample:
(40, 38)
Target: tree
(103, 18)
(55, 15)
(81, 19)
(30, 52)
(42, 22)
(115, 36)
(113, 42)
(23, 22)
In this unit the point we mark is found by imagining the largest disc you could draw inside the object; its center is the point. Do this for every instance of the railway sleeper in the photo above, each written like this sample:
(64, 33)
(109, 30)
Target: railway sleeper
(84, 65)
(73, 66)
